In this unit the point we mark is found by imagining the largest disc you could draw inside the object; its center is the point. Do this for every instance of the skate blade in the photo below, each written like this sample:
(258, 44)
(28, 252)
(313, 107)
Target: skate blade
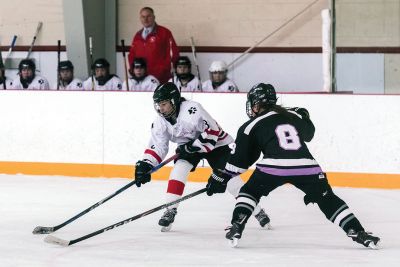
(374, 246)
(166, 228)
(233, 242)
(268, 226)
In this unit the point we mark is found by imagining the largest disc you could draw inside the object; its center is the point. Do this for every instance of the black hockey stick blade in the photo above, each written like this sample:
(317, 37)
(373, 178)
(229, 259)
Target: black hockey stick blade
(47, 230)
(58, 241)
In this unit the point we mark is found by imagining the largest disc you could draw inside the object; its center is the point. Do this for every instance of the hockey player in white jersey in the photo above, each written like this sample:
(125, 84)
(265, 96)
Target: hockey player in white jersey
(27, 77)
(183, 78)
(219, 81)
(66, 77)
(198, 136)
(140, 80)
(5, 83)
(103, 80)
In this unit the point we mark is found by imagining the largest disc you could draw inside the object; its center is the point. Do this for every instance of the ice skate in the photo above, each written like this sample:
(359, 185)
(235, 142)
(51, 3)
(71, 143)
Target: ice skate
(167, 219)
(263, 219)
(234, 234)
(364, 238)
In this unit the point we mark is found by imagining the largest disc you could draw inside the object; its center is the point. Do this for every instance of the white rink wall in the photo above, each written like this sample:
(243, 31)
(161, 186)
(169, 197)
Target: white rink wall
(354, 133)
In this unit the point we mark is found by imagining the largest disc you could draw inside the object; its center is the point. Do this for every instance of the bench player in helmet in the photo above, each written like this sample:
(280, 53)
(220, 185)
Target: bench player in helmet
(184, 79)
(219, 81)
(27, 77)
(140, 80)
(5, 83)
(66, 77)
(281, 136)
(198, 136)
(103, 80)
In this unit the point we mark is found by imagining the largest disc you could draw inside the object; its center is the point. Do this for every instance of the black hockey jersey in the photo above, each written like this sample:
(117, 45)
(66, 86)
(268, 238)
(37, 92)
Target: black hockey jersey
(281, 139)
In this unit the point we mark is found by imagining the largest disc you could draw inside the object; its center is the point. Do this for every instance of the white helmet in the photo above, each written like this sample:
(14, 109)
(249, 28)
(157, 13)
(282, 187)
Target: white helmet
(218, 66)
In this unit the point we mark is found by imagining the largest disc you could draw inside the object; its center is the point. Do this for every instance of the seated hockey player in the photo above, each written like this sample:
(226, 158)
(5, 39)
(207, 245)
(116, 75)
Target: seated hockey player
(140, 80)
(103, 80)
(66, 77)
(5, 83)
(219, 81)
(184, 79)
(27, 77)
(198, 137)
(281, 136)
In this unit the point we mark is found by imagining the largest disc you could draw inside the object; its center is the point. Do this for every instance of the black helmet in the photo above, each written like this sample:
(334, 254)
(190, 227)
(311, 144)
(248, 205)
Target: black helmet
(260, 94)
(167, 91)
(100, 63)
(65, 65)
(27, 63)
(183, 60)
(139, 63)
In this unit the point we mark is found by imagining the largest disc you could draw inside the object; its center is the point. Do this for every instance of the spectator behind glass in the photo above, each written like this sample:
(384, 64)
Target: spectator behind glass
(66, 77)
(103, 80)
(5, 83)
(27, 77)
(140, 80)
(184, 79)
(156, 45)
(219, 82)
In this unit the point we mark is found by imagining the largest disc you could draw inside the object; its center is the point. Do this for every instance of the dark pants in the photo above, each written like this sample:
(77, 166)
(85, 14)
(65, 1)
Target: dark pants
(316, 189)
(217, 158)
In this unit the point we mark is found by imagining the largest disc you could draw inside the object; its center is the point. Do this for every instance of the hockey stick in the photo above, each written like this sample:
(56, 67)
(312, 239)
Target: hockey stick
(172, 63)
(58, 63)
(58, 241)
(2, 68)
(47, 230)
(91, 60)
(126, 68)
(39, 26)
(195, 62)
(14, 40)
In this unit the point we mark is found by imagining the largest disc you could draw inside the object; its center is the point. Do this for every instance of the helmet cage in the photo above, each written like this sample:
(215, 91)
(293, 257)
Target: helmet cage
(166, 92)
(260, 94)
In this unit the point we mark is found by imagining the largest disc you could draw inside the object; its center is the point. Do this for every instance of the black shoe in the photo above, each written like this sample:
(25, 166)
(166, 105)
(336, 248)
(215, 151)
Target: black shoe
(364, 238)
(263, 219)
(168, 218)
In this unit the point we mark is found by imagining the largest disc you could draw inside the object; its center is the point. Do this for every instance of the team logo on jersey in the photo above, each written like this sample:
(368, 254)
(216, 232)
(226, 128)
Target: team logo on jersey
(119, 86)
(321, 176)
(231, 88)
(79, 85)
(192, 110)
(41, 81)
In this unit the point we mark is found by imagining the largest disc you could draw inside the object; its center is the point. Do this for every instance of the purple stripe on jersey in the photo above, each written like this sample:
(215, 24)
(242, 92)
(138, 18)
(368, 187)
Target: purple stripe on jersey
(290, 172)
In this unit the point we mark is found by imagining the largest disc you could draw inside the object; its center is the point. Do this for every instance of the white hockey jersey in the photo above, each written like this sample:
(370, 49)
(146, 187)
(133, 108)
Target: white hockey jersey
(38, 83)
(227, 86)
(8, 84)
(114, 83)
(192, 86)
(193, 123)
(149, 83)
(75, 84)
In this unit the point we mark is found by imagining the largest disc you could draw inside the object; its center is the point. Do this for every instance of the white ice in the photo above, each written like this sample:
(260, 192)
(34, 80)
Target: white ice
(302, 236)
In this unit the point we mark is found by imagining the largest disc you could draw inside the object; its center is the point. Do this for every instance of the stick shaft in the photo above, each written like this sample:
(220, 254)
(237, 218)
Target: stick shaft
(125, 67)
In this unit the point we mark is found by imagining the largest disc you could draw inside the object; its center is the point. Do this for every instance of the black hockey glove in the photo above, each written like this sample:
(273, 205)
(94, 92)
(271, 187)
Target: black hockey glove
(302, 112)
(217, 182)
(187, 151)
(142, 172)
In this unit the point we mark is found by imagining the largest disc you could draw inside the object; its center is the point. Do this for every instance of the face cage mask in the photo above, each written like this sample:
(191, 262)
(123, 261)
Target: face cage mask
(249, 110)
(157, 108)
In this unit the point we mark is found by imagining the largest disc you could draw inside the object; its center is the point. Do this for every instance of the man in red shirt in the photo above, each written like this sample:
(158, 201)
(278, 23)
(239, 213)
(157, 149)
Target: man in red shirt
(156, 45)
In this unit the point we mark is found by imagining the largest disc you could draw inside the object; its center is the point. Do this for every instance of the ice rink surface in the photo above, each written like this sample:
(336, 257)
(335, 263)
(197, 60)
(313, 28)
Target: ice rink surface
(302, 236)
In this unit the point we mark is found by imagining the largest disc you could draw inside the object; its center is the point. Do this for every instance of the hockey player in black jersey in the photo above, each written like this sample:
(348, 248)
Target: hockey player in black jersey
(280, 135)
